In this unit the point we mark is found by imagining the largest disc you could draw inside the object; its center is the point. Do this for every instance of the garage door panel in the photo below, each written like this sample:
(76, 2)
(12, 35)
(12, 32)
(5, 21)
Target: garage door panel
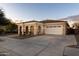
(54, 30)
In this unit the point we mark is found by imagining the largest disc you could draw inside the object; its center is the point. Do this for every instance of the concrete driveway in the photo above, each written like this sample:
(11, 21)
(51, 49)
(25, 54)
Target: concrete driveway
(45, 45)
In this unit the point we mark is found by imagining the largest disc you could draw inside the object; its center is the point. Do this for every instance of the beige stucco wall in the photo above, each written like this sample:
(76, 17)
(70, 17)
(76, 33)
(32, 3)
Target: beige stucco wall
(20, 25)
(34, 24)
(42, 25)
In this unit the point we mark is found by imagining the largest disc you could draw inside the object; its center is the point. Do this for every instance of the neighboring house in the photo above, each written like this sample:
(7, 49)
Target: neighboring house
(43, 27)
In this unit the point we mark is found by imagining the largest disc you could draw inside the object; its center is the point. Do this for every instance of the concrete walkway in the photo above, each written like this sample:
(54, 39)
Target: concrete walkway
(45, 45)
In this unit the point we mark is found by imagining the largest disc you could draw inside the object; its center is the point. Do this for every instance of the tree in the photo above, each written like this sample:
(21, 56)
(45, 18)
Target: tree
(3, 19)
(6, 23)
(11, 27)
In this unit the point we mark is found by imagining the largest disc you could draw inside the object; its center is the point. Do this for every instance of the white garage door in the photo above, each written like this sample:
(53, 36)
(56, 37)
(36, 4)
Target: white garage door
(55, 29)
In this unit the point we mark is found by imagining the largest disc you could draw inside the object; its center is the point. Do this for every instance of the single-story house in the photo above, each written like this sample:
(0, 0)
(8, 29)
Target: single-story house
(56, 27)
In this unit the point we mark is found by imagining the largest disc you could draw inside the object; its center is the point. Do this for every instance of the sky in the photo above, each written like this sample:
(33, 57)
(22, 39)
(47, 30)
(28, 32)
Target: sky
(39, 11)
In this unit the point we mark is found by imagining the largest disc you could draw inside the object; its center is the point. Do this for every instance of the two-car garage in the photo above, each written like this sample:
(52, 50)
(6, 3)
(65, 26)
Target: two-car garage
(54, 29)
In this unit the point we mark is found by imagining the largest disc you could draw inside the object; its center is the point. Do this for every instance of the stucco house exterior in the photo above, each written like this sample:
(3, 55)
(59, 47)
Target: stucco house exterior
(55, 27)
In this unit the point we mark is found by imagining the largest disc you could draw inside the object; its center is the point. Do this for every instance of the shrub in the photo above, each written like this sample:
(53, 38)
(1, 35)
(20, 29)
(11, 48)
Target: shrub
(1, 31)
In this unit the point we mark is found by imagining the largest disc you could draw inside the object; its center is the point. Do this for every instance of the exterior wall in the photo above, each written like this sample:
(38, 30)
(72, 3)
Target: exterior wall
(29, 26)
(43, 27)
(19, 25)
(34, 24)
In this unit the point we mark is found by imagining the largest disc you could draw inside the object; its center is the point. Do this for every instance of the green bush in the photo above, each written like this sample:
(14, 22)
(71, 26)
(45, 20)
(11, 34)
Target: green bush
(1, 31)
(11, 28)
